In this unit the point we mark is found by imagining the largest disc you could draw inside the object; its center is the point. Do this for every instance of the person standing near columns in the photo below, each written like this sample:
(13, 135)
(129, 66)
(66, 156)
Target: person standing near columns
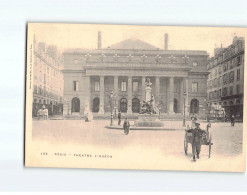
(102, 95)
(129, 111)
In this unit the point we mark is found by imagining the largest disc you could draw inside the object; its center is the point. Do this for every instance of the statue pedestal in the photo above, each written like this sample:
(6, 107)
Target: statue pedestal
(146, 120)
(148, 93)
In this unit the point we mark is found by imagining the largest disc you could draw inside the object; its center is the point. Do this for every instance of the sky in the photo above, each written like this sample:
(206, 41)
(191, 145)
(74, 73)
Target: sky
(84, 36)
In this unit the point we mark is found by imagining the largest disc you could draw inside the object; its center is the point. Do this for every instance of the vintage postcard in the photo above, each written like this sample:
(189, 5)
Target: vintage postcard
(135, 97)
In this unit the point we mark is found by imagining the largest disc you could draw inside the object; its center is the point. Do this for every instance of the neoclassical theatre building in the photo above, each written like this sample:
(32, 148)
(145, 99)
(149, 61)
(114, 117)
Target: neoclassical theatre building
(178, 78)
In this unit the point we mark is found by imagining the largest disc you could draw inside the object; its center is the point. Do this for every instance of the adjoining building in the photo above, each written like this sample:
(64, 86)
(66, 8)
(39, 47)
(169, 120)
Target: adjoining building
(225, 82)
(47, 78)
(90, 76)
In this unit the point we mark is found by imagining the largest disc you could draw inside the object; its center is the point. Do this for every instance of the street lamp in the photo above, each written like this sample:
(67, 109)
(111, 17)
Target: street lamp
(111, 107)
(184, 109)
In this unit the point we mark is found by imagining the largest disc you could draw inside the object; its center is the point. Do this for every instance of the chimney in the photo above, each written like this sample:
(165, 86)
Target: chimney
(99, 40)
(166, 41)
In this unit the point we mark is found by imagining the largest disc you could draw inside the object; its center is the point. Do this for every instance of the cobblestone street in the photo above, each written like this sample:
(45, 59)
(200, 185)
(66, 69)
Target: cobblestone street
(227, 140)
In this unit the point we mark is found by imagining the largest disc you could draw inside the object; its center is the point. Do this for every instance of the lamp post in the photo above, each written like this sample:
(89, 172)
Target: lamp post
(184, 109)
(111, 106)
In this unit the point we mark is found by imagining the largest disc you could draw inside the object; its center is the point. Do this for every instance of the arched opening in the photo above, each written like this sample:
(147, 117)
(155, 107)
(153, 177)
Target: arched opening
(96, 104)
(194, 106)
(135, 105)
(75, 105)
(175, 105)
(35, 107)
(123, 105)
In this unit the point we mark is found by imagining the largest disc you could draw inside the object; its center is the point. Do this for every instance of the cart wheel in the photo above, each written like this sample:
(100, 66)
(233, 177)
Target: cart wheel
(209, 146)
(185, 146)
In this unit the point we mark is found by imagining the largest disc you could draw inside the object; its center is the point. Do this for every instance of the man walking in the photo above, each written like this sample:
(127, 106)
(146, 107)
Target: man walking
(232, 120)
(196, 141)
(119, 117)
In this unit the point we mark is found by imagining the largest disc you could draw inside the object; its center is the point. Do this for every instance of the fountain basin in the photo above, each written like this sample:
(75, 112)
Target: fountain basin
(147, 120)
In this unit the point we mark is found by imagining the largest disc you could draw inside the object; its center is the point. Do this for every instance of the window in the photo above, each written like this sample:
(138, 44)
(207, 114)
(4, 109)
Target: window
(220, 69)
(238, 74)
(135, 86)
(195, 64)
(35, 89)
(231, 64)
(76, 85)
(194, 87)
(231, 90)
(123, 86)
(231, 77)
(238, 89)
(215, 94)
(215, 82)
(96, 86)
(225, 67)
(215, 73)
(238, 60)
(225, 79)
(225, 91)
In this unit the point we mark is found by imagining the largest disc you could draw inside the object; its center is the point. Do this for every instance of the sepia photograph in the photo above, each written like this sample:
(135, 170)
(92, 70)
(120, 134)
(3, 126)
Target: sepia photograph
(135, 97)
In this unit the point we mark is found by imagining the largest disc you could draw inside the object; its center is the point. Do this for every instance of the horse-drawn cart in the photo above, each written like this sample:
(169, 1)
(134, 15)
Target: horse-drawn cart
(206, 139)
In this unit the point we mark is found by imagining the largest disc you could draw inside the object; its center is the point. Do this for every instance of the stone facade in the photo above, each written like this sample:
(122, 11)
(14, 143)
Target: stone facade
(225, 82)
(90, 76)
(47, 79)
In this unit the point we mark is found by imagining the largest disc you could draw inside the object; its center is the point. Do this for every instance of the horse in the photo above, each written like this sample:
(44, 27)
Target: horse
(43, 113)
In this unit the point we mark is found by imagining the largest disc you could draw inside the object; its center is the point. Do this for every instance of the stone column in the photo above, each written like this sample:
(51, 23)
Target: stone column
(143, 88)
(157, 90)
(171, 96)
(102, 95)
(181, 94)
(87, 95)
(129, 111)
(116, 91)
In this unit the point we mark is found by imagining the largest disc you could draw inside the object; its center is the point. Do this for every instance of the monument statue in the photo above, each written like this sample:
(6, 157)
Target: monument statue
(149, 113)
(148, 105)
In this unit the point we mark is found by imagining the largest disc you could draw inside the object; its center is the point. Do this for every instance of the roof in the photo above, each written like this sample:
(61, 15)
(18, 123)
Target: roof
(133, 44)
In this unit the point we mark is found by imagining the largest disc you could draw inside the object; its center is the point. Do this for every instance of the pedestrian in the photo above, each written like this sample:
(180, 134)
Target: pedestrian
(87, 118)
(119, 117)
(126, 126)
(232, 120)
(193, 121)
(196, 141)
